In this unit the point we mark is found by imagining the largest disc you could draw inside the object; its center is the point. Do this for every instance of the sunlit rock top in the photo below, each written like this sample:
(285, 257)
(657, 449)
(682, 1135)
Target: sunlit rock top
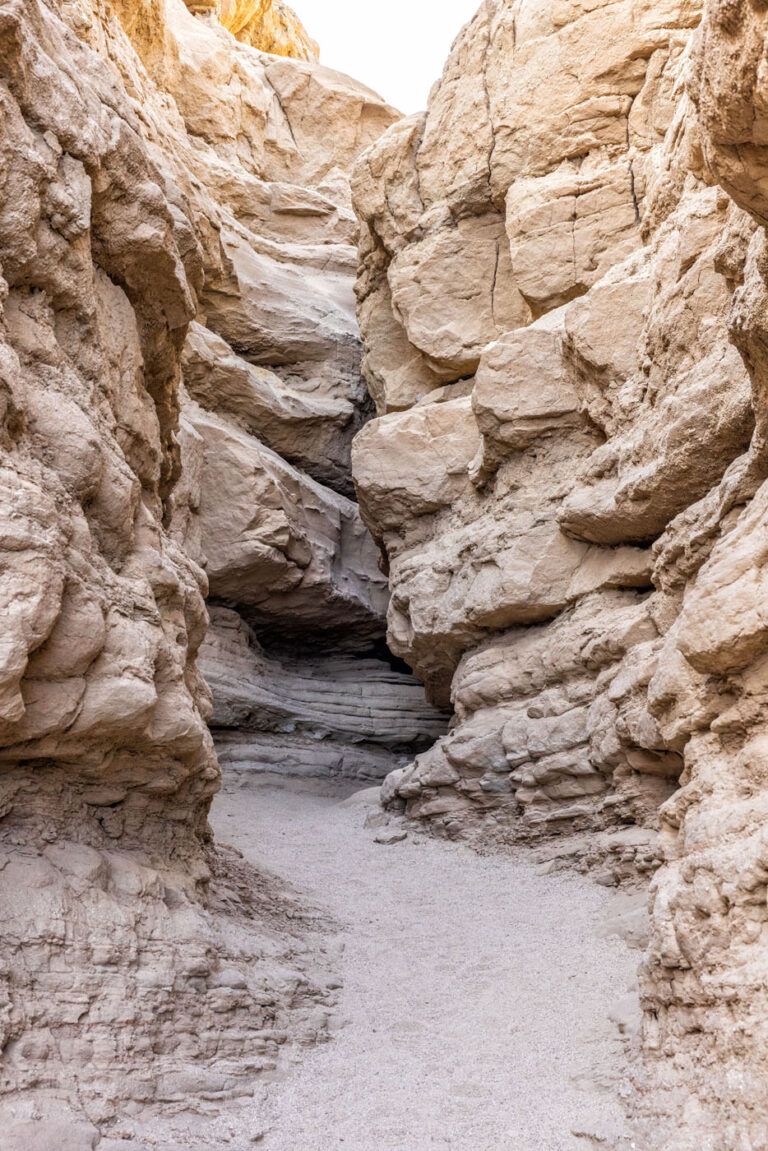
(269, 25)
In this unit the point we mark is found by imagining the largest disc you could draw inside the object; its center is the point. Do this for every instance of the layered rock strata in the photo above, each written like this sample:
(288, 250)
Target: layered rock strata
(562, 296)
(173, 207)
(311, 715)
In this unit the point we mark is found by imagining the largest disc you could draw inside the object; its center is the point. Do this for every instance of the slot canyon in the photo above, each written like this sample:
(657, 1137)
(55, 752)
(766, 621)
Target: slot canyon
(384, 518)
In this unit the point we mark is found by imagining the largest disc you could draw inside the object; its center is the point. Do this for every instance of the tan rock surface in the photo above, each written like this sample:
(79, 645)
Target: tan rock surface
(564, 176)
(308, 430)
(269, 25)
(147, 159)
(293, 553)
(628, 419)
(467, 558)
(562, 290)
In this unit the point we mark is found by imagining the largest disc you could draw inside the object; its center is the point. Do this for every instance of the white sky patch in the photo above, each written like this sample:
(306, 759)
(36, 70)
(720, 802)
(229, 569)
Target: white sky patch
(396, 47)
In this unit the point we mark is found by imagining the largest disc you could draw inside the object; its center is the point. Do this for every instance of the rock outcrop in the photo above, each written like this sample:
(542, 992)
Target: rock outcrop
(179, 388)
(269, 25)
(516, 231)
(562, 295)
(562, 292)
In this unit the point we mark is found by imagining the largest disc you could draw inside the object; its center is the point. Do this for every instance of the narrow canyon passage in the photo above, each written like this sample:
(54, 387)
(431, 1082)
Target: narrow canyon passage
(481, 1000)
(343, 449)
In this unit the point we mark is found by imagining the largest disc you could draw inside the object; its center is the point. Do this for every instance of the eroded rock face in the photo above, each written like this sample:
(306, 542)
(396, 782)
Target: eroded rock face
(104, 741)
(331, 715)
(567, 479)
(173, 207)
(481, 491)
(498, 204)
(562, 294)
(269, 25)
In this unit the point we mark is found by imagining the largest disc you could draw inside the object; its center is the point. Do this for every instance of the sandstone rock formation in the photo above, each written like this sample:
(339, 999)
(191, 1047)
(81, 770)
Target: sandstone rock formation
(478, 484)
(562, 297)
(269, 25)
(311, 715)
(562, 291)
(179, 387)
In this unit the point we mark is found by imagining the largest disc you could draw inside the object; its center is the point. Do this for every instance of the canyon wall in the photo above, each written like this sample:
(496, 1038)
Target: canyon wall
(562, 295)
(179, 388)
(269, 25)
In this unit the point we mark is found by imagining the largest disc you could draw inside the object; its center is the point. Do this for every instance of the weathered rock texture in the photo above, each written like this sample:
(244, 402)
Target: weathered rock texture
(311, 715)
(179, 387)
(562, 296)
(502, 259)
(269, 25)
(563, 289)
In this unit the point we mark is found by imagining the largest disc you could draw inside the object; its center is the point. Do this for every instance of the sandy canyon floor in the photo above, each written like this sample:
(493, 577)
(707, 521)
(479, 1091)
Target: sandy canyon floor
(484, 1005)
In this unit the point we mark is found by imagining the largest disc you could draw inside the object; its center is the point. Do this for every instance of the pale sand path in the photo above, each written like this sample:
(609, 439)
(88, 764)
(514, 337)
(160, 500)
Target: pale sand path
(476, 991)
